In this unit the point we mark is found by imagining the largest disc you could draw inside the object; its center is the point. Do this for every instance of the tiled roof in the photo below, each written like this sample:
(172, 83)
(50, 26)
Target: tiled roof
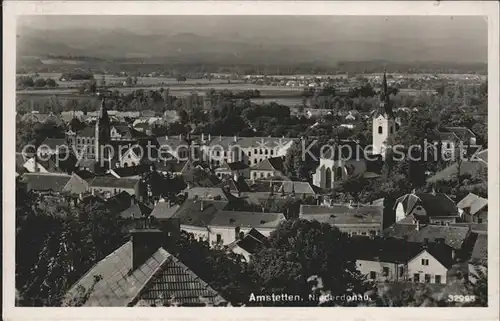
(88, 131)
(483, 155)
(269, 164)
(435, 205)
(480, 249)
(197, 212)
(247, 219)
(345, 149)
(172, 166)
(107, 181)
(207, 193)
(342, 214)
(119, 202)
(472, 202)
(200, 178)
(159, 279)
(250, 242)
(46, 181)
(234, 186)
(462, 132)
(131, 170)
(137, 210)
(237, 166)
(471, 167)
(454, 236)
(298, 187)
(448, 136)
(164, 210)
(398, 250)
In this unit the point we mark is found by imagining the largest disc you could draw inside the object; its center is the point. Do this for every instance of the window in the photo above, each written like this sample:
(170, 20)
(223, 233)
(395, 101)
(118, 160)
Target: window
(272, 151)
(416, 277)
(260, 151)
(373, 275)
(261, 174)
(391, 129)
(401, 271)
(397, 126)
(427, 278)
(255, 161)
(265, 151)
(249, 162)
(249, 153)
(363, 233)
(385, 271)
(218, 153)
(268, 174)
(354, 233)
(425, 262)
(438, 278)
(219, 238)
(255, 151)
(254, 174)
(380, 129)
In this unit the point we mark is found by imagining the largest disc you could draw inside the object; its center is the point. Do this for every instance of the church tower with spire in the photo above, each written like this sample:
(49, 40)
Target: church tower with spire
(384, 122)
(102, 133)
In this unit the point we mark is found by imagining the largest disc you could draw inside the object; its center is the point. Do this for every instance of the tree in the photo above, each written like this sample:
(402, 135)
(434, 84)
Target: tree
(51, 83)
(300, 249)
(40, 82)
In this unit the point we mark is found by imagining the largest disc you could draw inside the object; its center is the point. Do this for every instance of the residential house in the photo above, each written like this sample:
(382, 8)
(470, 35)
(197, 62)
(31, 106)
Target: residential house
(55, 183)
(173, 166)
(473, 209)
(130, 172)
(36, 117)
(234, 187)
(110, 185)
(393, 260)
(353, 220)
(270, 167)
(248, 245)
(51, 163)
(52, 146)
(431, 208)
(207, 194)
(238, 169)
(455, 237)
(227, 226)
(453, 137)
(141, 273)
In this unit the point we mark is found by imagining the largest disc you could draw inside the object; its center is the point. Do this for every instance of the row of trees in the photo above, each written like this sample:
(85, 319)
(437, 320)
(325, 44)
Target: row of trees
(23, 82)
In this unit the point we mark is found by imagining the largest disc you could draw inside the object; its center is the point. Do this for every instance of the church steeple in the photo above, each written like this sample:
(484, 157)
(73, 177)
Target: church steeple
(102, 132)
(385, 102)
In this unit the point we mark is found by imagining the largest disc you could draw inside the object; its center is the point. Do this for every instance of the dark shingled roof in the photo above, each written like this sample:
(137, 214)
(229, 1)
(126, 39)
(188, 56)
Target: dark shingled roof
(269, 164)
(342, 214)
(132, 170)
(164, 210)
(207, 193)
(46, 181)
(480, 249)
(159, 279)
(55, 143)
(471, 167)
(454, 236)
(197, 212)
(398, 250)
(435, 205)
(137, 210)
(250, 242)
(247, 219)
(107, 181)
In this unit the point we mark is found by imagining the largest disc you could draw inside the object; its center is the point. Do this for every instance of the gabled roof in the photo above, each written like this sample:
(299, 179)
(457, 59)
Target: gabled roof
(342, 214)
(172, 166)
(471, 167)
(463, 133)
(473, 203)
(164, 210)
(46, 181)
(269, 164)
(130, 171)
(247, 219)
(250, 242)
(454, 236)
(480, 249)
(198, 212)
(119, 202)
(107, 181)
(398, 250)
(435, 205)
(137, 210)
(160, 278)
(207, 193)
(297, 187)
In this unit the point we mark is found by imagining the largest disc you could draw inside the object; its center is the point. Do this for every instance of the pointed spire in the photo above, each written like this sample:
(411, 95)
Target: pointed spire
(384, 97)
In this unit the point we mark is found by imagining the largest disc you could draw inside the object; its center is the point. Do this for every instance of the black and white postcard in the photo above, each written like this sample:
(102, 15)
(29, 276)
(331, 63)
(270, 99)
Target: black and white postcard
(258, 155)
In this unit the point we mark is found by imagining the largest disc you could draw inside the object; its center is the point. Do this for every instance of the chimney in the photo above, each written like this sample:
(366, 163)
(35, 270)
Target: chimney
(201, 205)
(235, 138)
(166, 137)
(180, 136)
(145, 242)
(209, 137)
(433, 191)
(418, 225)
(202, 137)
(220, 137)
(426, 242)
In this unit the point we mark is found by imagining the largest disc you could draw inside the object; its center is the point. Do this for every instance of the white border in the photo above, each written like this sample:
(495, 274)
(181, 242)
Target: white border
(488, 9)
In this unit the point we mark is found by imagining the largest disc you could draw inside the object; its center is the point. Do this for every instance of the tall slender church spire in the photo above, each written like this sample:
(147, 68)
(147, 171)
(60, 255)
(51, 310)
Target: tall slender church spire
(102, 132)
(385, 102)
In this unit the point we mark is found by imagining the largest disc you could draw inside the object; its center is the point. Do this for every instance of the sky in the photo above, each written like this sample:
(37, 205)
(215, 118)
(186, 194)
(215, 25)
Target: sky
(461, 38)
